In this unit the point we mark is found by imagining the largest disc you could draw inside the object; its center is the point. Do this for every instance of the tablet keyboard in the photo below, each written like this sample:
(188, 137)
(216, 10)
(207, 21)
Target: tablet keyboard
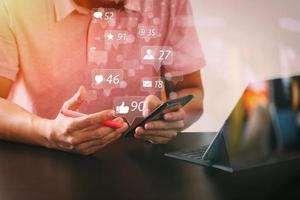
(189, 155)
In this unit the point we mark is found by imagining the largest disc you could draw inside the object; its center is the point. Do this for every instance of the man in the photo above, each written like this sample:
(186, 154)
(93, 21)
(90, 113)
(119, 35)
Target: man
(50, 48)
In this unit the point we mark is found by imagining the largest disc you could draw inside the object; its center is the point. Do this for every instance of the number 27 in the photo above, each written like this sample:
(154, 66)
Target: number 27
(164, 54)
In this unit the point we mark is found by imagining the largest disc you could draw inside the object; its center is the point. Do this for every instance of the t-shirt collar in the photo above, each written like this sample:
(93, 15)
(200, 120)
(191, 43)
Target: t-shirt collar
(65, 7)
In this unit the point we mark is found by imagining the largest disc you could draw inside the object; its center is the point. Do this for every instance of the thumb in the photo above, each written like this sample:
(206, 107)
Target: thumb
(123, 104)
(74, 102)
(150, 103)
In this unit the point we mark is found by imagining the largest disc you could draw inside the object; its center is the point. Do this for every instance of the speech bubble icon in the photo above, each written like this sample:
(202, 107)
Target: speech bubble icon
(107, 78)
(157, 56)
(129, 108)
(115, 38)
(104, 17)
(151, 84)
(98, 14)
(148, 32)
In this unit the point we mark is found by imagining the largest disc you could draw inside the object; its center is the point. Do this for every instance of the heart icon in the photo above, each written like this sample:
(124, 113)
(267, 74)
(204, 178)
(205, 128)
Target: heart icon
(99, 79)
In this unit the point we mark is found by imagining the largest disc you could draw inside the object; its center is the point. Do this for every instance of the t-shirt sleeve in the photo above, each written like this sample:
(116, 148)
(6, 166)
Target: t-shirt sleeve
(9, 59)
(183, 38)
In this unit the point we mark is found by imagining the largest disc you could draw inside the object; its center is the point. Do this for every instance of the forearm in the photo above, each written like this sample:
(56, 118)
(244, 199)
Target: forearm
(19, 125)
(194, 109)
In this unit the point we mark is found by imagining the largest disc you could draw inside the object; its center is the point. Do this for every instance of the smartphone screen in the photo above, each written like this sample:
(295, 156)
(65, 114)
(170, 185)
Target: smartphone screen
(158, 113)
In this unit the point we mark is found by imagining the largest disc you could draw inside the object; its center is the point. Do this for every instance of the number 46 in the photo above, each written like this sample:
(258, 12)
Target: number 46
(113, 79)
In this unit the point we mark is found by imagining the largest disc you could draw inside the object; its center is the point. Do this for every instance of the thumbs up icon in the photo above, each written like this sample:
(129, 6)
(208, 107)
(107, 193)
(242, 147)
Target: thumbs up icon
(122, 109)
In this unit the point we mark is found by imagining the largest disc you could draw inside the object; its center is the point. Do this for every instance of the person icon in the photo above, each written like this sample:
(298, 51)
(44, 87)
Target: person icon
(148, 55)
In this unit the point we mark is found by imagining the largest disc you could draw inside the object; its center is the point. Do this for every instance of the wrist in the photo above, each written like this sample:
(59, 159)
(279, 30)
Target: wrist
(43, 129)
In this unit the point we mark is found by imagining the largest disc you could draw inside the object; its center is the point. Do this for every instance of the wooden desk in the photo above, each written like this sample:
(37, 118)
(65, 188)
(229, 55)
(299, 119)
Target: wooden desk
(132, 169)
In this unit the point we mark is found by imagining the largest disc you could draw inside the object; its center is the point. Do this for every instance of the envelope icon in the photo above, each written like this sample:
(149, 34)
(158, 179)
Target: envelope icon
(147, 84)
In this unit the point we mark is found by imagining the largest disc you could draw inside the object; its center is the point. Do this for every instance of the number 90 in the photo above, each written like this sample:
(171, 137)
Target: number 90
(137, 106)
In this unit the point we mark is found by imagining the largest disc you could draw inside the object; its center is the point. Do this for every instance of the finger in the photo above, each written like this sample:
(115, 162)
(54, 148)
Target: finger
(118, 131)
(77, 99)
(163, 125)
(111, 137)
(91, 150)
(155, 139)
(175, 116)
(98, 133)
(85, 136)
(62, 142)
(92, 119)
(139, 131)
(116, 134)
(90, 134)
(95, 127)
(65, 145)
(165, 134)
(85, 130)
(83, 147)
(94, 150)
(151, 102)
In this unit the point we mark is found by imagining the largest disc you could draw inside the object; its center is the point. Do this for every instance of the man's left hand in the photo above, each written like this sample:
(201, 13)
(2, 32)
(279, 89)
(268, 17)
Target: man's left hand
(160, 131)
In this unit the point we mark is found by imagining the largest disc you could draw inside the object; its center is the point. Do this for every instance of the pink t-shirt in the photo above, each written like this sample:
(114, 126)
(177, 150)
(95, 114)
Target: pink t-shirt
(51, 47)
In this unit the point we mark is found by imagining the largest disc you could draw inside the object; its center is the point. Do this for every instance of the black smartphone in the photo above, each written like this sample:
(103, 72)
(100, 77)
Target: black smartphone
(158, 113)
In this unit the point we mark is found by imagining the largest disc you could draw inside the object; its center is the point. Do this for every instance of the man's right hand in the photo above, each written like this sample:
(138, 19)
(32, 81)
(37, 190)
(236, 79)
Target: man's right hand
(82, 135)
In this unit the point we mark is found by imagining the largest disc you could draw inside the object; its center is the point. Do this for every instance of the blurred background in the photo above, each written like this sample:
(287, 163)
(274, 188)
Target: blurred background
(243, 40)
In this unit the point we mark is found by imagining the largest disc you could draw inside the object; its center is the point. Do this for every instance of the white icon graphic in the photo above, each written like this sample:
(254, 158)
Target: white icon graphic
(148, 32)
(99, 79)
(149, 55)
(106, 79)
(122, 109)
(157, 56)
(93, 49)
(150, 84)
(114, 38)
(147, 84)
(129, 107)
(98, 15)
(104, 16)
(110, 36)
